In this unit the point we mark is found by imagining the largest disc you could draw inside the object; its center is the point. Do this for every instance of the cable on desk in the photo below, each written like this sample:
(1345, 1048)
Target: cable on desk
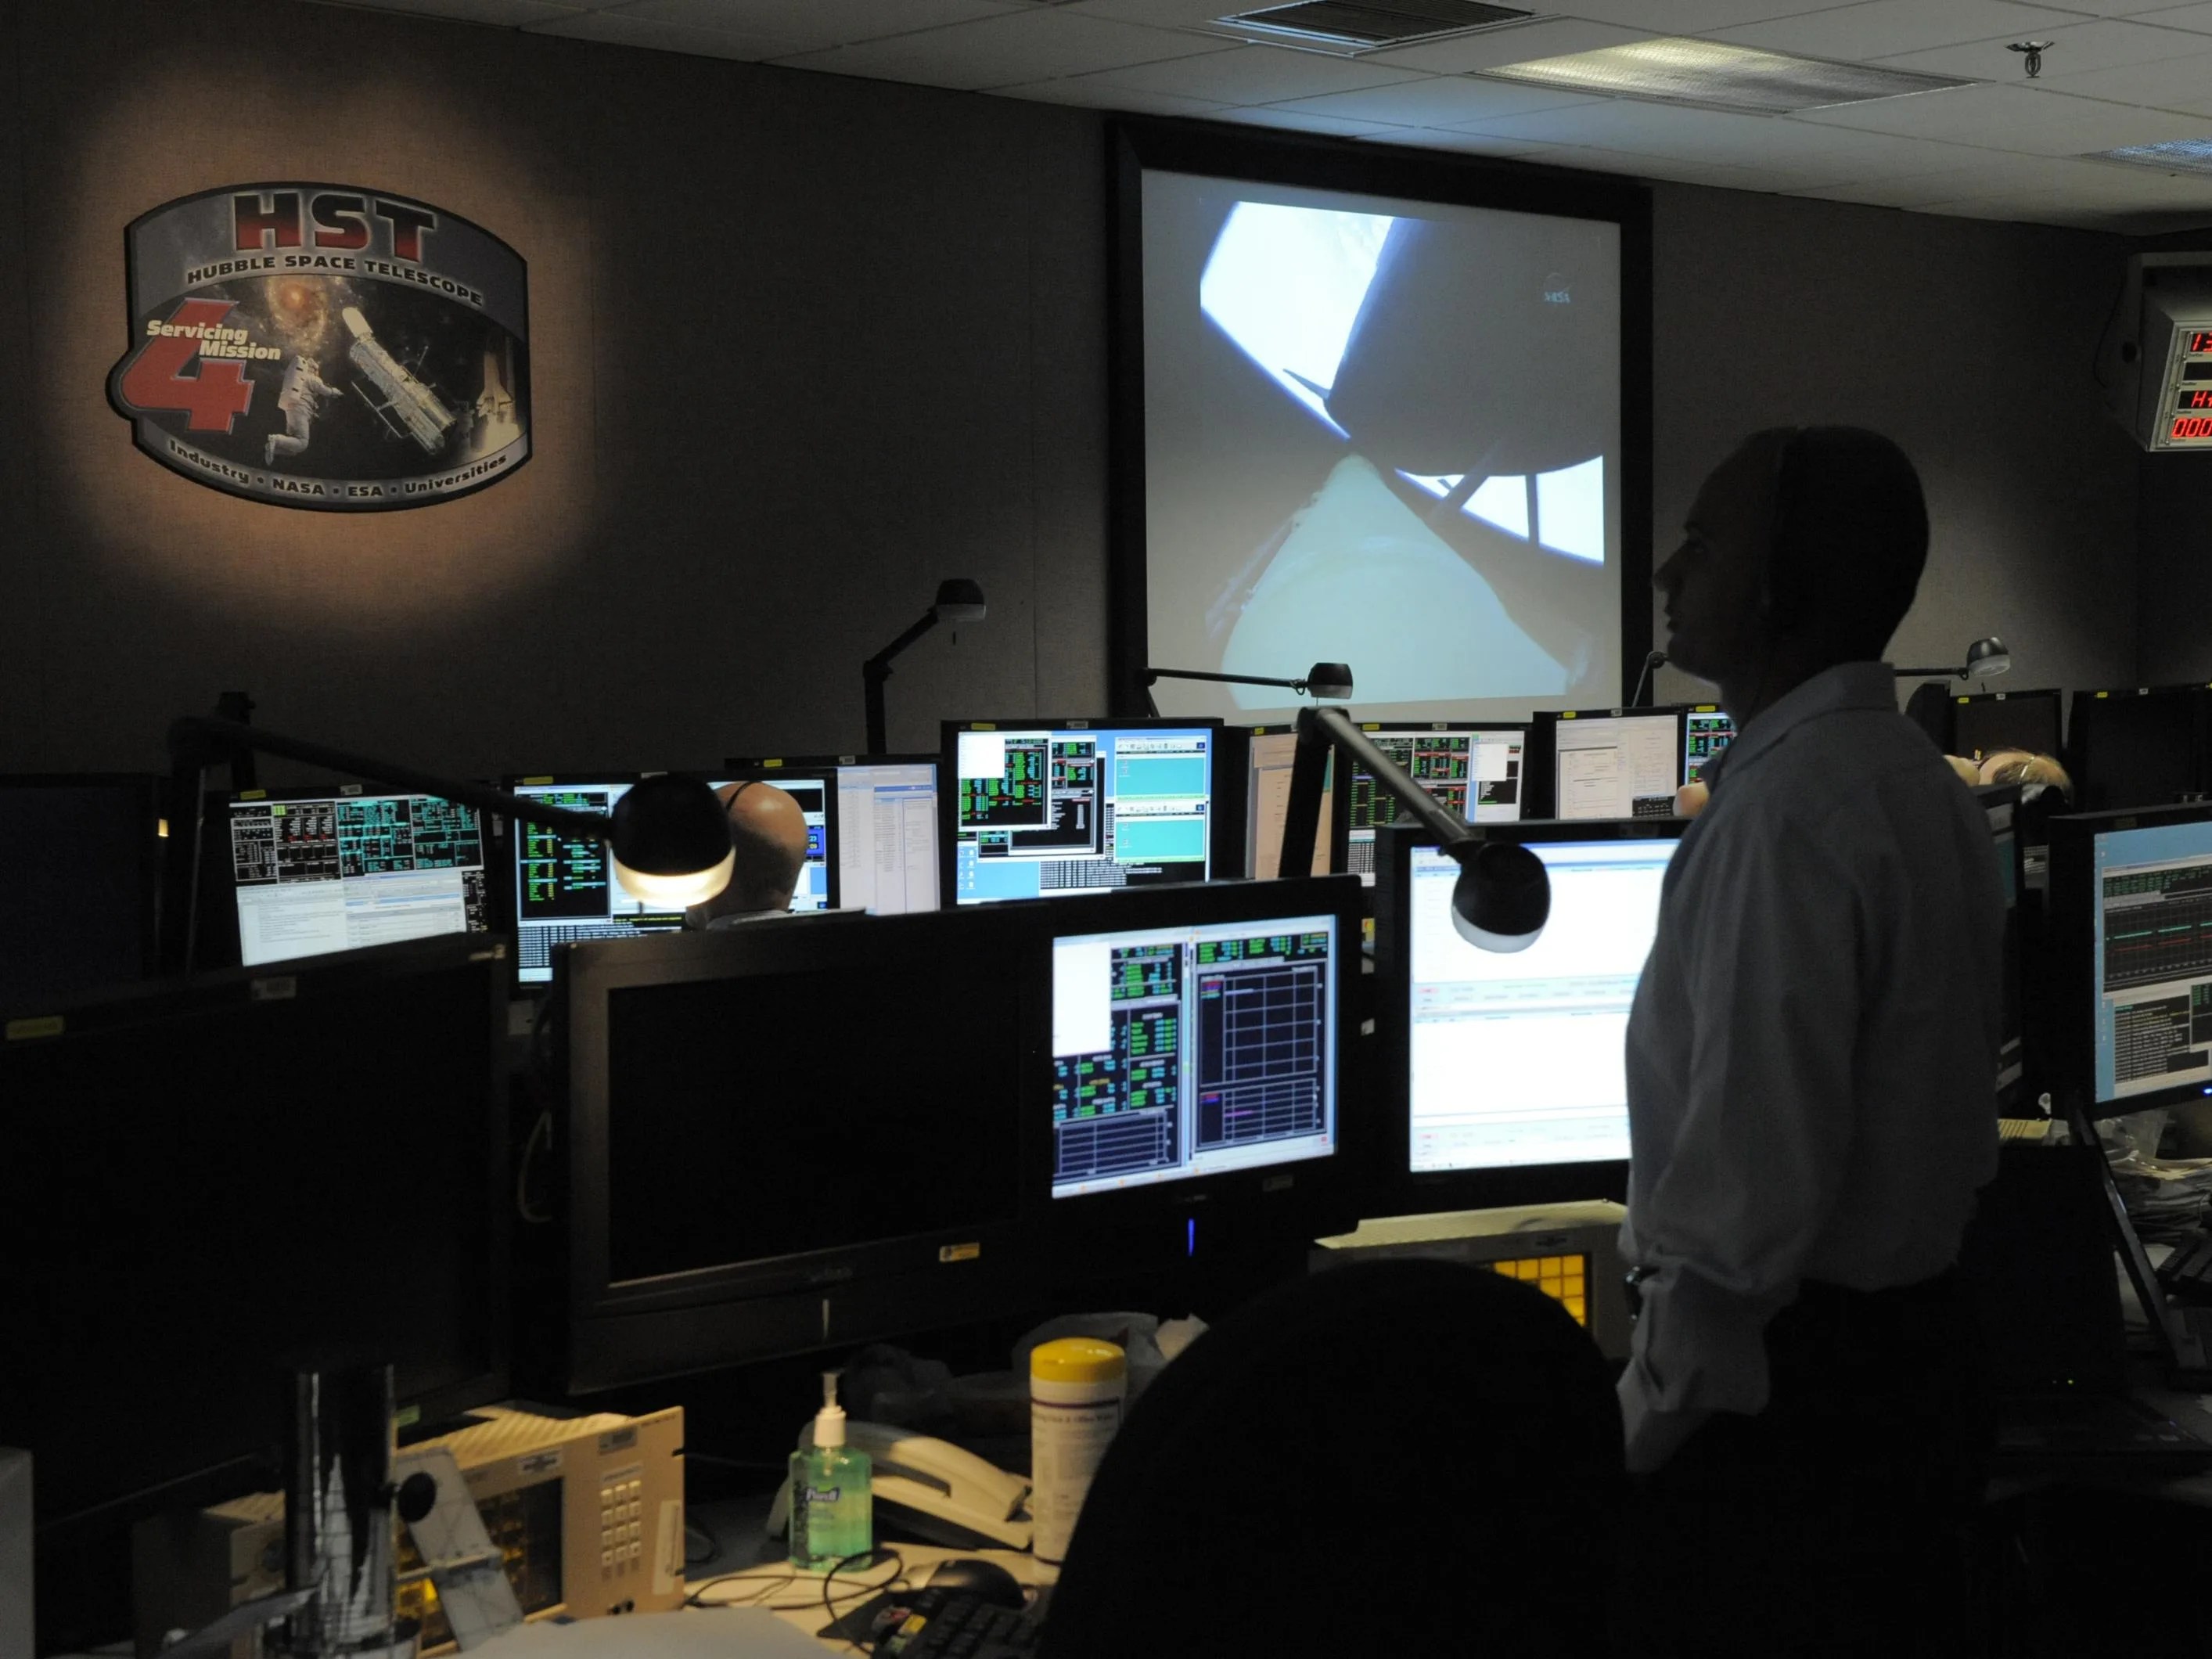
(869, 1558)
(692, 1524)
(782, 1575)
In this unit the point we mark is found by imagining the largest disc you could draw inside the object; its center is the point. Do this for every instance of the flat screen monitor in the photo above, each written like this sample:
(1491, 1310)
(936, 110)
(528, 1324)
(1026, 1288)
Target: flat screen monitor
(1477, 770)
(204, 1185)
(886, 826)
(2001, 806)
(564, 887)
(79, 910)
(2142, 747)
(1707, 731)
(315, 871)
(1047, 808)
(728, 1202)
(1270, 753)
(1987, 721)
(1507, 1072)
(1386, 420)
(2131, 903)
(1615, 764)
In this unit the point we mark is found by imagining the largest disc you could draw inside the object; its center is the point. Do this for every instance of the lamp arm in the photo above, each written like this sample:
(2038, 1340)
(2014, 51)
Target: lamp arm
(198, 739)
(877, 670)
(1154, 674)
(1319, 730)
(1929, 673)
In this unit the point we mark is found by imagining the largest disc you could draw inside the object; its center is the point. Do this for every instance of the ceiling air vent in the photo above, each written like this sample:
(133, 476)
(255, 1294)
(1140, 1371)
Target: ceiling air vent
(1357, 26)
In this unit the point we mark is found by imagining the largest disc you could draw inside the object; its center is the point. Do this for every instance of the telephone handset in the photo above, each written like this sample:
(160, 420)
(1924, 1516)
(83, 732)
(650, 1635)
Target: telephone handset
(932, 1488)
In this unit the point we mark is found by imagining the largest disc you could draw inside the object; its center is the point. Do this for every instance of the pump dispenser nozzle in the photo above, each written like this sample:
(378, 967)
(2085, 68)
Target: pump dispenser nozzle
(829, 1421)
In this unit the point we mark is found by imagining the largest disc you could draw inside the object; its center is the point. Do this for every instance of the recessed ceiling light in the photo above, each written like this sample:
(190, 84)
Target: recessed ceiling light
(2176, 155)
(1350, 27)
(1674, 70)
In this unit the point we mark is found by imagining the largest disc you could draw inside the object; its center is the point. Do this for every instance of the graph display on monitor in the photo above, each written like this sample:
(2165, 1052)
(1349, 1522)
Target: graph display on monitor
(564, 885)
(1518, 1058)
(1189, 1050)
(313, 871)
(1620, 764)
(2151, 943)
(1380, 430)
(1271, 754)
(1706, 732)
(1037, 811)
(1475, 770)
(1983, 724)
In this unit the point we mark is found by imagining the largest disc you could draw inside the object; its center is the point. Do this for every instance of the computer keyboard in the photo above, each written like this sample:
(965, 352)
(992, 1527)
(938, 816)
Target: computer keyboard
(1057, 875)
(1652, 806)
(534, 947)
(952, 1625)
(2188, 1272)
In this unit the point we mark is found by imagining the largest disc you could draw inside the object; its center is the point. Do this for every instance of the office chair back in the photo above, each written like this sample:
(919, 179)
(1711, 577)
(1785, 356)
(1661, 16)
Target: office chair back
(1406, 1454)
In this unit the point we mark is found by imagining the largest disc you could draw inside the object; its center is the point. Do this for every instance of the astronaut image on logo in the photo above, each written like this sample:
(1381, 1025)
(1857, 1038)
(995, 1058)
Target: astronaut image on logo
(300, 400)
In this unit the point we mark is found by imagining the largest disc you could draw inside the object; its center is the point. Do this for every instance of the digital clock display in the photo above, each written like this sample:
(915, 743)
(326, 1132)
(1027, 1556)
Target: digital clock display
(2200, 340)
(2190, 427)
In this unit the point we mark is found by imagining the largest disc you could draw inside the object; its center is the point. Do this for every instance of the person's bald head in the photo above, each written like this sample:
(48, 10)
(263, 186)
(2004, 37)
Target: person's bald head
(768, 842)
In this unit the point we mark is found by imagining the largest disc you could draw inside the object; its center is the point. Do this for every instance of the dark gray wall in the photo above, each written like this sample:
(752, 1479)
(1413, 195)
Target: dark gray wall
(2176, 638)
(1968, 342)
(801, 346)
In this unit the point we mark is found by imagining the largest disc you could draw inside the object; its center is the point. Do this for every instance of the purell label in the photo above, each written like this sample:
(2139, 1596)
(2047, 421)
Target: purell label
(824, 1494)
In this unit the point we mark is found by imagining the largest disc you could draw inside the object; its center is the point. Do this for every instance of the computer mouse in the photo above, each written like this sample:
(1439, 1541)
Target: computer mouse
(976, 1576)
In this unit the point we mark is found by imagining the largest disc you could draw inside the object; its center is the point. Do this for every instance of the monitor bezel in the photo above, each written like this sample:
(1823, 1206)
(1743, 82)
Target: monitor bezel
(2054, 695)
(1236, 752)
(1996, 800)
(159, 816)
(2087, 714)
(2073, 931)
(734, 1313)
(158, 1004)
(1309, 1198)
(1393, 1188)
(1544, 740)
(1221, 853)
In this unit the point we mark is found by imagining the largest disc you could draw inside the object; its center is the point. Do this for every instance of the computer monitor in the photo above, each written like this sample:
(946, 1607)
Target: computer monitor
(78, 912)
(1987, 721)
(886, 826)
(1476, 769)
(1614, 764)
(564, 889)
(2142, 746)
(2000, 804)
(1048, 807)
(1707, 729)
(320, 870)
(1502, 1076)
(736, 1194)
(1270, 751)
(205, 1184)
(2131, 923)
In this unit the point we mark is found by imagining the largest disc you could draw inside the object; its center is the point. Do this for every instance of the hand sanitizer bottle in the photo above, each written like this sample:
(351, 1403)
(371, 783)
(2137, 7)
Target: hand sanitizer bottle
(832, 1503)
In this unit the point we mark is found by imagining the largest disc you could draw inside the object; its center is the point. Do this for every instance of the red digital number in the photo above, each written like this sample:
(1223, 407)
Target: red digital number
(212, 399)
(2191, 426)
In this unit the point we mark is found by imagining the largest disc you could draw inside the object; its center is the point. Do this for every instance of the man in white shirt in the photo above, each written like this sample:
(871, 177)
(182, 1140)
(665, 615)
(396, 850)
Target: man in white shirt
(767, 839)
(1811, 1070)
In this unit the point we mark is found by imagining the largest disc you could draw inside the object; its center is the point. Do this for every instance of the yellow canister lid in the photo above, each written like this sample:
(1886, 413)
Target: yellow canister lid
(1077, 1359)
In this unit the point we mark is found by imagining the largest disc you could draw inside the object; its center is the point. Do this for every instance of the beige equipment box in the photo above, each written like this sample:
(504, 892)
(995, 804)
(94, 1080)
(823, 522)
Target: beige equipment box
(588, 1511)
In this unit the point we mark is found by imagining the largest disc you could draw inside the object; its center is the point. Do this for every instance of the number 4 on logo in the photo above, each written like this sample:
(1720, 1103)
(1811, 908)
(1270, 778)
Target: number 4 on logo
(211, 399)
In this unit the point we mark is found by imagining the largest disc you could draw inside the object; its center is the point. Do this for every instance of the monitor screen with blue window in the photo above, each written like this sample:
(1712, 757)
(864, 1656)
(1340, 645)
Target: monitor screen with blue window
(1034, 810)
(2152, 962)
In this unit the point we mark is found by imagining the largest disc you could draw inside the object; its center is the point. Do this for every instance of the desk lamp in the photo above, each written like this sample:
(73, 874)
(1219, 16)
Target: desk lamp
(1985, 657)
(1323, 679)
(668, 836)
(958, 600)
(1503, 897)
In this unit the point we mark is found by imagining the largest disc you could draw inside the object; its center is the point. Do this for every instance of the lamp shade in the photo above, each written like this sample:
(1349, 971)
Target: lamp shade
(670, 841)
(959, 600)
(1330, 679)
(1503, 897)
(1987, 657)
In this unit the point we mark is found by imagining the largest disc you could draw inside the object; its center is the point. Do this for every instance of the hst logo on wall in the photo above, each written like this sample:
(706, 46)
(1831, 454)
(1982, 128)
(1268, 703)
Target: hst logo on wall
(325, 346)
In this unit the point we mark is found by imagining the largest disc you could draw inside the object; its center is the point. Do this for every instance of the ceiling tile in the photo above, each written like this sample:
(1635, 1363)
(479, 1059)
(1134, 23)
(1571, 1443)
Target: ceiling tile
(2178, 82)
(1090, 92)
(507, 13)
(1012, 51)
(1259, 75)
(617, 30)
(1885, 29)
(1521, 43)
(1272, 116)
(1677, 170)
(1696, 16)
(1184, 13)
(2198, 17)
(2079, 50)
(1446, 101)
(2009, 118)
(814, 23)
(1486, 143)
(2138, 9)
